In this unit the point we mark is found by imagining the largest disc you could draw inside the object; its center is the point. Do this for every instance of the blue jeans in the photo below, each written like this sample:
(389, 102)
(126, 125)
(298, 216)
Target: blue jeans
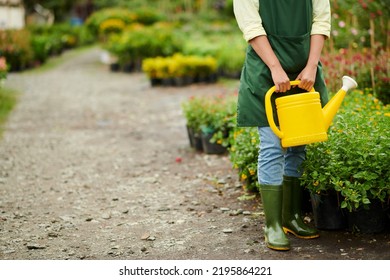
(275, 161)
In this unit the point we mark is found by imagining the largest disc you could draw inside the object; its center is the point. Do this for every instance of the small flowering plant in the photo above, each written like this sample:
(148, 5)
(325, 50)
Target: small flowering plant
(211, 114)
(243, 155)
(355, 160)
(3, 68)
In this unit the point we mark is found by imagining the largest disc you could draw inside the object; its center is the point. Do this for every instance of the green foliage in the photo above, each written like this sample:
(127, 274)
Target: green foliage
(223, 41)
(243, 155)
(231, 56)
(114, 20)
(40, 45)
(194, 112)
(218, 115)
(7, 102)
(149, 16)
(3, 69)
(212, 115)
(355, 159)
(138, 42)
(32, 46)
(95, 21)
(175, 8)
(15, 47)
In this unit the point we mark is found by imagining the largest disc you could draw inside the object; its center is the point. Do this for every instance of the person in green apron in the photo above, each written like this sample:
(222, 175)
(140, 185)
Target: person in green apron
(285, 39)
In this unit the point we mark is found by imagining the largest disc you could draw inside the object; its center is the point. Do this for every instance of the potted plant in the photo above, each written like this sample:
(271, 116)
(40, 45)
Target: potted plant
(211, 118)
(353, 163)
(193, 112)
(218, 119)
(243, 154)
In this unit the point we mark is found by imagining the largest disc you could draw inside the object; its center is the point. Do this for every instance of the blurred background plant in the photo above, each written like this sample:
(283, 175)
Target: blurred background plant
(3, 69)
(359, 45)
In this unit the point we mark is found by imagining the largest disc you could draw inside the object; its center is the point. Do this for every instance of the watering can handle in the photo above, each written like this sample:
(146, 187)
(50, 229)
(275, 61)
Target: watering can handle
(269, 111)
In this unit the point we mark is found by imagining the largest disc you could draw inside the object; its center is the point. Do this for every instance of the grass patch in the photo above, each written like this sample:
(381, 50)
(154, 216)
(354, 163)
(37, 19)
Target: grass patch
(8, 99)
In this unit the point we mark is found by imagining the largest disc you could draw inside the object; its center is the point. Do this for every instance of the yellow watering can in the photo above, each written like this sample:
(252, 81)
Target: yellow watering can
(301, 119)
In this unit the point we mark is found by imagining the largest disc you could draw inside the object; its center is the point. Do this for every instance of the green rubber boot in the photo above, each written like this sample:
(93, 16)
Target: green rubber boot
(275, 238)
(292, 216)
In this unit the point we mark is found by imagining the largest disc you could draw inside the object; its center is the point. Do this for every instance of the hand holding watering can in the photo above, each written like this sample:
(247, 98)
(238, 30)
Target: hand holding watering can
(301, 119)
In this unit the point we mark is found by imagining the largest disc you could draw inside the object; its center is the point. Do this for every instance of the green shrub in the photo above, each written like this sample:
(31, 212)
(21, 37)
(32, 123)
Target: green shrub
(355, 159)
(94, 21)
(16, 48)
(231, 56)
(40, 45)
(3, 69)
(148, 16)
(138, 42)
(212, 115)
(243, 155)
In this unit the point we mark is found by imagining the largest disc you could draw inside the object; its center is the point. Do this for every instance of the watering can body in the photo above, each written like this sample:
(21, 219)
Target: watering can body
(302, 120)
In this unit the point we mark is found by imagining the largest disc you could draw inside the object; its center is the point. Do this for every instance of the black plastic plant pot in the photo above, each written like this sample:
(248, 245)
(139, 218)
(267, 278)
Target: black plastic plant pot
(371, 220)
(327, 212)
(211, 148)
(195, 139)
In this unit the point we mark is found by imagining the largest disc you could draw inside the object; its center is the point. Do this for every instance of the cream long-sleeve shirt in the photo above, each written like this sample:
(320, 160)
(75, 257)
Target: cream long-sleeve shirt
(250, 23)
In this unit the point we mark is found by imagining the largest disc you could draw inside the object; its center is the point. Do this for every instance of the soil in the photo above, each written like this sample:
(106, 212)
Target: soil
(97, 165)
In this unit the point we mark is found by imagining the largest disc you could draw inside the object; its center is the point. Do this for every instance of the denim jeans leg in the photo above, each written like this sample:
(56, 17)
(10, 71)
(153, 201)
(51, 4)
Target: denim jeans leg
(271, 158)
(293, 160)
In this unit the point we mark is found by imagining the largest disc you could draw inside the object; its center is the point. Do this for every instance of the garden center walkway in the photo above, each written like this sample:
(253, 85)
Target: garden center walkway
(97, 165)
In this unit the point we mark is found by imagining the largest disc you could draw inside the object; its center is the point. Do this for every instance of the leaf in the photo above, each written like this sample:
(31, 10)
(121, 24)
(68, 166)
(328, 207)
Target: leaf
(366, 201)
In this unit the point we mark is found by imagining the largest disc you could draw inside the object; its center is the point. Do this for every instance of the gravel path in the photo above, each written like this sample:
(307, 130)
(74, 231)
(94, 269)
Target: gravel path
(97, 165)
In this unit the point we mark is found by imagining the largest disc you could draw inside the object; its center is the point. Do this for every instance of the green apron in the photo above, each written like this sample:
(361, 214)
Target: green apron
(288, 26)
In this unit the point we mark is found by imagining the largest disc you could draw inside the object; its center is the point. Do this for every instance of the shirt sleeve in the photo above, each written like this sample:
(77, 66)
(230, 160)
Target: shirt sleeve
(248, 18)
(321, 18)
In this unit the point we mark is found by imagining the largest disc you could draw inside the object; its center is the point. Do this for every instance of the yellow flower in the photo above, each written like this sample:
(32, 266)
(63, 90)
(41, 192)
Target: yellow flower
(252, 172)
(316, 183)
(387, 114)
(112, 25)
(243, 176)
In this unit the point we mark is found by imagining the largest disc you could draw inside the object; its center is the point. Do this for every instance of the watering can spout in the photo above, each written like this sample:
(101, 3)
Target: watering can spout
(333, 105)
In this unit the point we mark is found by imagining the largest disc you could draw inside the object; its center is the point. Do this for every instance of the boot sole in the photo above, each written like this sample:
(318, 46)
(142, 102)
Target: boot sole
(286, 231)
(277, 248)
